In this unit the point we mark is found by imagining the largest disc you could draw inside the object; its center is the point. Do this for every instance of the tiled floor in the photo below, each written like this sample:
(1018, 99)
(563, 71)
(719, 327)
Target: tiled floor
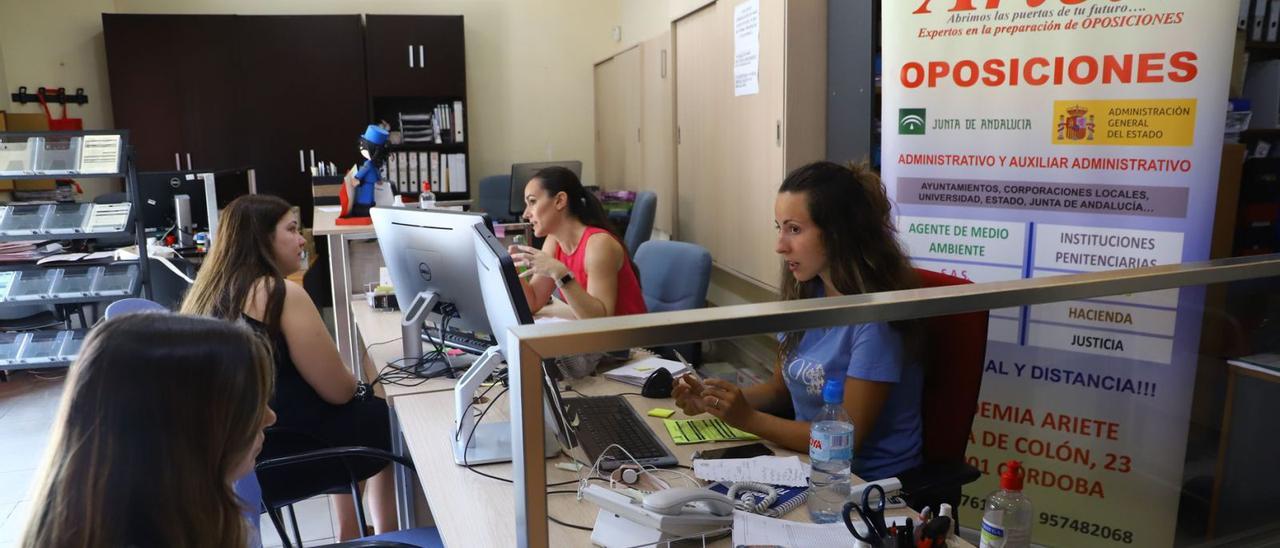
(28, 404)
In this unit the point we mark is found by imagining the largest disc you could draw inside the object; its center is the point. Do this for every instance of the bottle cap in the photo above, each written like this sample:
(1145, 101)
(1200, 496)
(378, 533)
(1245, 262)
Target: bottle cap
(1011, 477)
(833, 391)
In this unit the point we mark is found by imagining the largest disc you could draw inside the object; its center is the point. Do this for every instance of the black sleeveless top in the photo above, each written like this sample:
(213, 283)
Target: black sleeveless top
(294, 400)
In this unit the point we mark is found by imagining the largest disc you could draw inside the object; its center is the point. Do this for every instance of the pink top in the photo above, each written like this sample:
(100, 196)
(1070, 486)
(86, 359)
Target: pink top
(630, 300)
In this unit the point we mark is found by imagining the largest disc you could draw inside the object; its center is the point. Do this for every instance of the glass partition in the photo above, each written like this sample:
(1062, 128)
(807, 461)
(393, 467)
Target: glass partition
(1140, 403)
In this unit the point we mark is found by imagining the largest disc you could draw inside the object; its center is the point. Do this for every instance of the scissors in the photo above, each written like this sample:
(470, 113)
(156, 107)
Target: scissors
(872, 516)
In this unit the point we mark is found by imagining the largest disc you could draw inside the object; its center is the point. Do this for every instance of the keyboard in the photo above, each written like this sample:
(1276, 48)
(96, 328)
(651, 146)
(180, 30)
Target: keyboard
(605, 420)
(465, 342)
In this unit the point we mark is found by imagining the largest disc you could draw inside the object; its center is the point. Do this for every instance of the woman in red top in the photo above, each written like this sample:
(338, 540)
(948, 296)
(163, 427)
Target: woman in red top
(580, 256)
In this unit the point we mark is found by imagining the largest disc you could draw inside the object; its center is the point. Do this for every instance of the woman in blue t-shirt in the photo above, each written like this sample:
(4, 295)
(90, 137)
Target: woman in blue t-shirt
(836, 237)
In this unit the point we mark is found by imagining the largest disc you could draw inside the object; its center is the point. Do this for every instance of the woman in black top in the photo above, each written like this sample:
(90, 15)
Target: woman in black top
(258, 243)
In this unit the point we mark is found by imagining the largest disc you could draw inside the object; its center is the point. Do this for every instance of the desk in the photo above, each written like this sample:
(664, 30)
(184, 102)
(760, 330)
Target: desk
(324, 224)
(379, 332)
(471, 510)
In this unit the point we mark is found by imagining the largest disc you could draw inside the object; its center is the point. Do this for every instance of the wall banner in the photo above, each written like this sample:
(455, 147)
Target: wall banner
(1028, 138)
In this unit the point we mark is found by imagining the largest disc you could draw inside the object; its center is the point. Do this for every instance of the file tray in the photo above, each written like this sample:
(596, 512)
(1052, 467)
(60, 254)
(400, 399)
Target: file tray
(71, 347)
(11, 346)
(24, 219)
(67, 218)
(17, 155)
(44, 346)
(117, 279)
(76, 282)
(34, 284)
(58, 155)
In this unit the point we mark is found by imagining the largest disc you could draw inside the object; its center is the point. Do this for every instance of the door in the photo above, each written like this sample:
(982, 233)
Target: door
(658, 138)
(301, 96)
(416, 56)
(145, 97)
(207, 80)
(703, 78)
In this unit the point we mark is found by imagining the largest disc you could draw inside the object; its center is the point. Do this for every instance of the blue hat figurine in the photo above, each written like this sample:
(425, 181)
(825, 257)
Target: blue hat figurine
(373, 146)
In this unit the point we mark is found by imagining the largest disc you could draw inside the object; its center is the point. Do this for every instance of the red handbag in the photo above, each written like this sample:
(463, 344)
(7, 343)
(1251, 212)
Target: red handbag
(59, 124)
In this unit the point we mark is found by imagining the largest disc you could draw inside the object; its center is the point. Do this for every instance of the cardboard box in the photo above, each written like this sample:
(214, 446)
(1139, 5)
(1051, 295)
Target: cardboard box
(15, 121)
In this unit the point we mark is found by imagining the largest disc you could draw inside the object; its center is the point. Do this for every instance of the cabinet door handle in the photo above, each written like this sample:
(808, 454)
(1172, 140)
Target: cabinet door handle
(410, 55)
(302, 161)
(188, 161)
(422, 58)
(177, 162)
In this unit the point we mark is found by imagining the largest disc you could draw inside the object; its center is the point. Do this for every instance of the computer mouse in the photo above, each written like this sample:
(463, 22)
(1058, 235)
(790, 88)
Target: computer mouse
(658, 384)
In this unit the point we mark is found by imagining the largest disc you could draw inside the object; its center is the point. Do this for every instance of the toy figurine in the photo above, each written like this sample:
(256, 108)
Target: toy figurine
(365, 188)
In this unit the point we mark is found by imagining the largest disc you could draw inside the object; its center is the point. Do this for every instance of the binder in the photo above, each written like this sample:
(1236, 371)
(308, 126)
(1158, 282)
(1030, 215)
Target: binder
(457, 122)
(1273, 20)
(1246, 7)
(1259, 27)
(435, 171)
(1262, 85)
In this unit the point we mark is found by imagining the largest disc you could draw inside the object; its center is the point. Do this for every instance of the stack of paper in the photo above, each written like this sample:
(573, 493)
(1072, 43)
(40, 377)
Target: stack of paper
(772, 470)
(18, 252)
(636, 372)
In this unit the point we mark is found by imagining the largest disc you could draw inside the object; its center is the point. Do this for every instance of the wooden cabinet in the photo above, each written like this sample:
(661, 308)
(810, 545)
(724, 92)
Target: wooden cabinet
(141, 65)
(618, 113)
(732, 151)
(301, 105)
(277, 93)
(416, 56)
(635, 142)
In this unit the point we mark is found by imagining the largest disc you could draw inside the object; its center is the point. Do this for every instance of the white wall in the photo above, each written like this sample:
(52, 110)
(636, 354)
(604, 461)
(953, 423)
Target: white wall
(57, 43)
(641, 20)
(529, 62)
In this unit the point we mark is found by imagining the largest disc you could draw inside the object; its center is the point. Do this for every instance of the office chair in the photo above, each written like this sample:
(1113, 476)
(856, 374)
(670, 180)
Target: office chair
(495, 198)
(427, 537)
(640, 227)
(130, 305)
(954, 351)
(674, 276)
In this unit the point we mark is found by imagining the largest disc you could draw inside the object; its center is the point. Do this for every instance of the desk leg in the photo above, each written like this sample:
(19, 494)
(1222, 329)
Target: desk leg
(341, 287)
(404, 476)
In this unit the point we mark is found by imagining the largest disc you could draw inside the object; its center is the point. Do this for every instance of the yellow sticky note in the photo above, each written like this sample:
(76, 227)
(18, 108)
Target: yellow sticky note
(661, 412)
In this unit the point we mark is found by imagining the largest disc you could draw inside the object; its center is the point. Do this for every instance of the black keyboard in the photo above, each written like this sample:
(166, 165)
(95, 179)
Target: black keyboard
(465, 342)
(606, 420)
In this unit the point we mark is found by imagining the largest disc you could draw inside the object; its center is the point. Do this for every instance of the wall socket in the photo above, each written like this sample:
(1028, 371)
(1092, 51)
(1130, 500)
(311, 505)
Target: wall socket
(617, 34)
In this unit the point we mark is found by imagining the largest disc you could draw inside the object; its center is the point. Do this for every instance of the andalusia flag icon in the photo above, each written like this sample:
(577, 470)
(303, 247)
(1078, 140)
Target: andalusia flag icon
(911, 121)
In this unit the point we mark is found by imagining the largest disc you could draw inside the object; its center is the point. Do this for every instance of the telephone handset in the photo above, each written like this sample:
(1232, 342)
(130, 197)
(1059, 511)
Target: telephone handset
(626, 520)
(677, 501)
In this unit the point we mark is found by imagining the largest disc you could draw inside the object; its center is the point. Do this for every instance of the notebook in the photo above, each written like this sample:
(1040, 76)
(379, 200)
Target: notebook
(789, 498)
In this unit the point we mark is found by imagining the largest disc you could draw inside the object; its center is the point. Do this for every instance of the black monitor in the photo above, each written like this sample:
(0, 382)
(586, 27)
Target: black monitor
(521, 173)
(506, 307)
(156, 192)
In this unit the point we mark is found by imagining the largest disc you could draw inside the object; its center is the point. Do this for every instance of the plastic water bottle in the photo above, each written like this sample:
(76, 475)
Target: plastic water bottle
(426, 199)
(830, 456)
(1006, 523)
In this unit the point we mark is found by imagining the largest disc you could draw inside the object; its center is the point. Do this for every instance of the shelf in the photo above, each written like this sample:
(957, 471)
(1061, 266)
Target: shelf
(63, 154)
(40, 349)
(64, 176)
(72, 284)
(63, 221)
(455, 147)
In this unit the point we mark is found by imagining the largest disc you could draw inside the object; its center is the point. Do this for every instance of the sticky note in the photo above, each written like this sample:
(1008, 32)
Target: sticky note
(661, 412)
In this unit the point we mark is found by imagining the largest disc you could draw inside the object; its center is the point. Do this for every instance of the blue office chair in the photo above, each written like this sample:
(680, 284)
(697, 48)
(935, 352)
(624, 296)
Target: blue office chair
(130, 305)
(674, 276)
(495, 198)
(640, 227)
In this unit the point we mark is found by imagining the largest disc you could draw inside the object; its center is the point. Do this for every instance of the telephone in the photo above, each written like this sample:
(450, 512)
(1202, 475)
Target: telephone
(662, 516)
